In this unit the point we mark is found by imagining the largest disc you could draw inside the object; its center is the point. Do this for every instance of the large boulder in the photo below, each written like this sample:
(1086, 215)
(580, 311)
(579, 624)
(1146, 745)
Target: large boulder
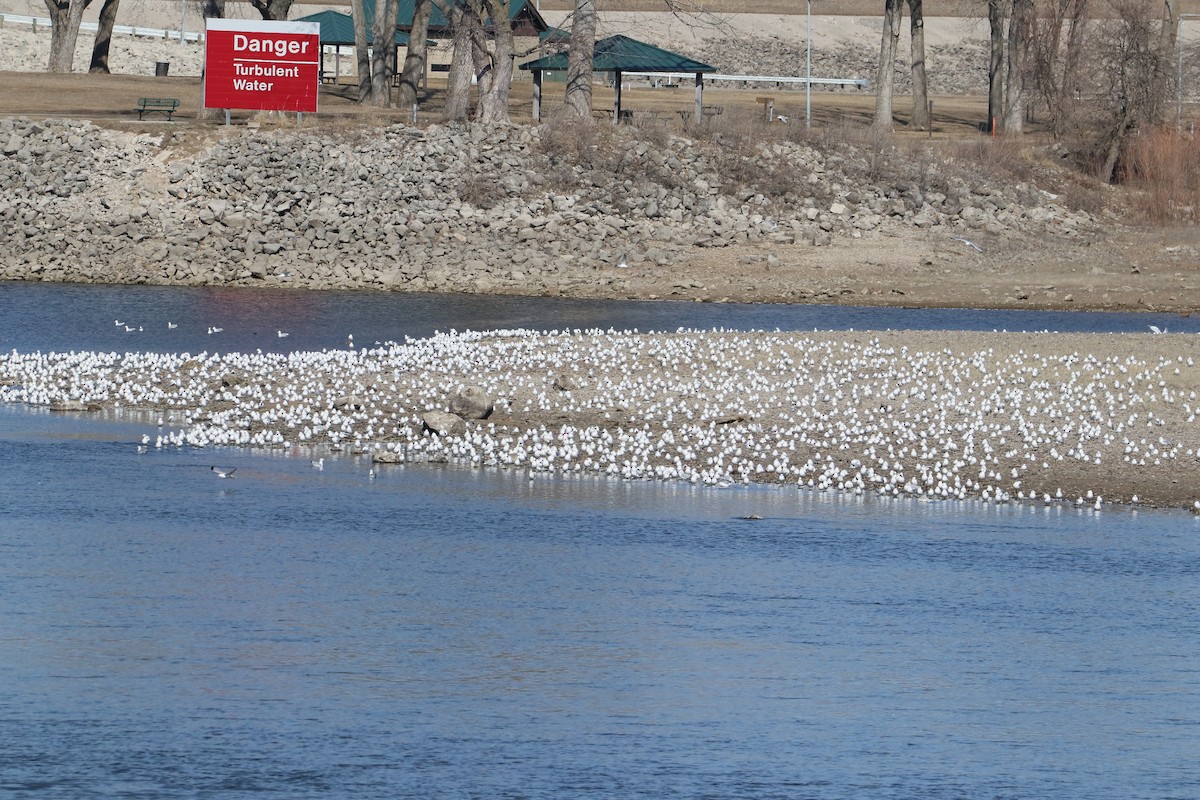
(471, 402)
(443, 423)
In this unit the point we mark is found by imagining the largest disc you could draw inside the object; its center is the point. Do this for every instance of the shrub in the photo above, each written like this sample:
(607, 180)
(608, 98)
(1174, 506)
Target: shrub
(481, 190)
(1165, 166)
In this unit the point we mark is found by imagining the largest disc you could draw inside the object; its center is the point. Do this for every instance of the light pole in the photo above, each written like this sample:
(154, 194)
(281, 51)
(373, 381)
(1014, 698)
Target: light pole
(808, 72)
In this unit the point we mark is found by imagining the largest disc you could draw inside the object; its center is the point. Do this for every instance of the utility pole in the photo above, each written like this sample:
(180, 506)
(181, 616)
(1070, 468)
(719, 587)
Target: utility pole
(808, 72)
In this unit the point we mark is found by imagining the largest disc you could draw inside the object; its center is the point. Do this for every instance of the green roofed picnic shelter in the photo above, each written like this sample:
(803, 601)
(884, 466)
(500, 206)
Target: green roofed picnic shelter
(619, 54)
(337, 29)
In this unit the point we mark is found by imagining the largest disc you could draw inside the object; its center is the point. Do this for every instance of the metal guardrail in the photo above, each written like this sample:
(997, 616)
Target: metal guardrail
(861, 83)
(126, 30)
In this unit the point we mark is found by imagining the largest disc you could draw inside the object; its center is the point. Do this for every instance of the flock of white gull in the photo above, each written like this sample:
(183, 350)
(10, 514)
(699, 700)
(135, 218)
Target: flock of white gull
(854, 412)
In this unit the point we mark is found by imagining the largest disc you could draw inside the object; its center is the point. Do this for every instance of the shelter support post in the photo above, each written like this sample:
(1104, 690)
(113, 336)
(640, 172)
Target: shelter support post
(337, 63)
(699, 97)
(537, 95)
(616, 97)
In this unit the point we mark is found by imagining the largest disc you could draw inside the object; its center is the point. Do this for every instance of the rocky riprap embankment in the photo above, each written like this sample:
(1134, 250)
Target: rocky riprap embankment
(454, 208)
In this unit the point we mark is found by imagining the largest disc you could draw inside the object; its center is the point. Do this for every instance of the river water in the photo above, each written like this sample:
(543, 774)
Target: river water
(441, 632)
(64, 317)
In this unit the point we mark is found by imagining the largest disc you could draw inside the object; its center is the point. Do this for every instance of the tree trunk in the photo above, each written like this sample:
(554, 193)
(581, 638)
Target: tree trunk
(893, 14)
(1169, 41)
(414, 57)
(1019, 26)
(579, 64)
(108, 18)
(362, 53)
(383, 47)
(1076, 28)
(272, 9)
(212, 9)
(1045, 45)
(996, 17)
(65, 16)
(458, 81)
(495, 82)
(920, 87)
(1117, 143)
(481, 62)
(1170, 26)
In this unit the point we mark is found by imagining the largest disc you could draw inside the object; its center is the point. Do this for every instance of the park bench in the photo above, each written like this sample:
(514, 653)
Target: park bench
(157, 105)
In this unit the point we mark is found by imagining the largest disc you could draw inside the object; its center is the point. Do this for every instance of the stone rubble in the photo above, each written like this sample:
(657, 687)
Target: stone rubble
(452, 207)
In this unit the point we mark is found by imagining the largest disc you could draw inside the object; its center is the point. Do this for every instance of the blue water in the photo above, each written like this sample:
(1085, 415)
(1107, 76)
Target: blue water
(446, 633)
(68, 317)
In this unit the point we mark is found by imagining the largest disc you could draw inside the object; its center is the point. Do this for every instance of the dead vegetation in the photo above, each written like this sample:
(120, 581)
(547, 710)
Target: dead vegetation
(1163, 166)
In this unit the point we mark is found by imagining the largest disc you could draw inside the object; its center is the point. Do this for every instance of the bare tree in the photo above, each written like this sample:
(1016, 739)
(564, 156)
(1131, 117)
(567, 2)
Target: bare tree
(458, 82)
(893, 14)
(579, 64)
(65, 16)
(108, 18)
(272, 9)
(1020, 26)
(212, 9)
(383, 50)
(920, 85)
(414, 56)
(1136, 74)
(1169, 39)
(362, 53)
(494, 65)
(1076, 38)
(1056, 67)
(997, 15)
(1170, 25)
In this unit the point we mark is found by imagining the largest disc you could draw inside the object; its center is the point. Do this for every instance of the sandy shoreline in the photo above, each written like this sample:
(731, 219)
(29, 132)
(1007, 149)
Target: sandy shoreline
(1080, 419)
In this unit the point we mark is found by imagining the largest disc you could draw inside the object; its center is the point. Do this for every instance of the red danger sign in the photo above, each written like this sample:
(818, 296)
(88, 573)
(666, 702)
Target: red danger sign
(263, 66)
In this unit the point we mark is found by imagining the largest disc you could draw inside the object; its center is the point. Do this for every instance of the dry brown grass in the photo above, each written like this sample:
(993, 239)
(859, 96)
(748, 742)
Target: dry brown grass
(999, 158)
(1165, 166)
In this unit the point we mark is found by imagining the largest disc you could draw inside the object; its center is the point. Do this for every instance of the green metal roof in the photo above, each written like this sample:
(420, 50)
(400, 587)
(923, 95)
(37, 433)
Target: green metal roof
(627, 55)
(438, 21)
(337, 28)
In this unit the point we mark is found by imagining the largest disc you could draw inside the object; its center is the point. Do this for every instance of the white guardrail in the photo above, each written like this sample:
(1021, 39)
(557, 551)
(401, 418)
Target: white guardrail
(126, 30)
(861, 83)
